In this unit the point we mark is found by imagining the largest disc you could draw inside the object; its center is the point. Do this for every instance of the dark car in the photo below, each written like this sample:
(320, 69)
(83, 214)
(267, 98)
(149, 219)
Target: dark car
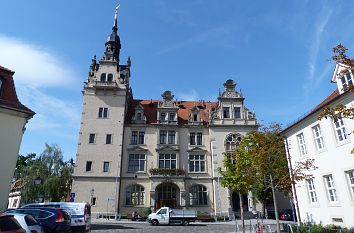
(53, 220)
(8, 224)
(287, 215)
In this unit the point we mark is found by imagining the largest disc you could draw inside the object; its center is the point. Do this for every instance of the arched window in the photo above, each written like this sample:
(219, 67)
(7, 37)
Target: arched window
(232, 141)
(198, 195)
(103, 77)
(110, 78)
(135, 195)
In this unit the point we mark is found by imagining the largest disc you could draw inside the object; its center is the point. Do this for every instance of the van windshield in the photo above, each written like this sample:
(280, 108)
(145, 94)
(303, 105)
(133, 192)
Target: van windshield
(162, 211)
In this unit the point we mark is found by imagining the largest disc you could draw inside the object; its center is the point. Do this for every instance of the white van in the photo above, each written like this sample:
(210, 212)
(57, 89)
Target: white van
(80, 213)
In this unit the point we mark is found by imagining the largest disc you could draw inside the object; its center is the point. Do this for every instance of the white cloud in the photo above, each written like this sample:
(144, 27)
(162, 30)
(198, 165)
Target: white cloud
(34, 66)
(38, 75)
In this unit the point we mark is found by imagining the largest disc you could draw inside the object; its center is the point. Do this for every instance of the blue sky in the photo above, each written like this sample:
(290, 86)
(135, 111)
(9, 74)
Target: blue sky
(277, 51)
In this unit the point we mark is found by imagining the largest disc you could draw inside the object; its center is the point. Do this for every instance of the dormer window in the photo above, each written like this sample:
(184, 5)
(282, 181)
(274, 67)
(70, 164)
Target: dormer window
(346, 81)
(110, 78)
(162, 116)
(103, 77)
(226, 112)
(171, 116)
(139, 116)
(195, 117)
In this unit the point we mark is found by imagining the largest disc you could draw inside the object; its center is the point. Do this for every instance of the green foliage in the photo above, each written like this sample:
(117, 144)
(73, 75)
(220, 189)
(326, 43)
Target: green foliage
(144, 212)
(23, 162)
(54, 173)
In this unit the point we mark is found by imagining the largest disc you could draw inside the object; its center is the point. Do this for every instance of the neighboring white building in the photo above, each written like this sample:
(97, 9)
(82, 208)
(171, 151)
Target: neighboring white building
(13, 118)
(328, 198)
(15, 194)
(149, 153)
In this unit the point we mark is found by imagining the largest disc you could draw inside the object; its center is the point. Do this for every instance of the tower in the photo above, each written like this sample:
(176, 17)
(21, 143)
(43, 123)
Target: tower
(98, 159)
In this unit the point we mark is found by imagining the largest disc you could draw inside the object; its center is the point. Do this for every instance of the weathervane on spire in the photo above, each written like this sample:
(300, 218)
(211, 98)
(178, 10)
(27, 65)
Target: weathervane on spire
(115, 16)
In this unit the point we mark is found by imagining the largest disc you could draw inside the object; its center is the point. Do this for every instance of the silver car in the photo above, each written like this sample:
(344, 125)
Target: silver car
(28, 223)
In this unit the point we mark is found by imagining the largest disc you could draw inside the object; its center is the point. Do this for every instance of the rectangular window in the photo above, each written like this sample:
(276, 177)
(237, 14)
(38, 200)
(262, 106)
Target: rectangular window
(108, 138)
(346, 81)
(237, 112)
(192, 138)
(102, 112)
(88, 166)
(195, 117)
(139, 116)
(312, 191)
(141, 137)
(350, 175)
(340, 130)
(136, 163)
(302, 145)
(93, 201)
(167, 161)
(171, 137)
(196, 163)
(171, 117)
(162, 116)
(331, 190)
(105, 166)
(199, 138)
(317, 134)
(226, 112)
(92, 138)
(134, 138)
(195, 138)
(163, 136)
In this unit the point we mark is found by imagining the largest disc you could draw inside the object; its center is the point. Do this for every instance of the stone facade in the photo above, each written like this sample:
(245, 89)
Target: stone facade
(134, 154)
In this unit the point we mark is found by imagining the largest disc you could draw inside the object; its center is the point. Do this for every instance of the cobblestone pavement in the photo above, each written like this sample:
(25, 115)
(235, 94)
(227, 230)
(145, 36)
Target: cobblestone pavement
(111, 226)
(147, 228)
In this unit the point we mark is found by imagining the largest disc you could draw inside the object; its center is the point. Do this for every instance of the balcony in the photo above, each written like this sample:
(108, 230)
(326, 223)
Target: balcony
(166, 172)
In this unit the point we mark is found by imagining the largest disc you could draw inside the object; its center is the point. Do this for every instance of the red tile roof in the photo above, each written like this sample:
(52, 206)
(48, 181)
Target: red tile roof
(334, 95)
(184, 111)
(8, 96)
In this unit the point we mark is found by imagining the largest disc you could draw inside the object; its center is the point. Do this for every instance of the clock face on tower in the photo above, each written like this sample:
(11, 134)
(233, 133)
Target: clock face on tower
(228, 94)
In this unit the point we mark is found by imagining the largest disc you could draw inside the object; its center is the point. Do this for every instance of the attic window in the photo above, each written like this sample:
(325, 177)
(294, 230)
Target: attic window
(138, 116)
(195, 117)
(346, 81)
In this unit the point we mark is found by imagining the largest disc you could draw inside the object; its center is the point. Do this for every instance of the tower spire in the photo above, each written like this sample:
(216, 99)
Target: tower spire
(113, 42)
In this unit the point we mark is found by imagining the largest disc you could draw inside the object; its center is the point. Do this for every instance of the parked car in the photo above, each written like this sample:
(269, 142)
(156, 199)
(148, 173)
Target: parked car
(28, 223)
(80, 213)
(167, 215)
(287, 215)
(8, 224)
(52, 220)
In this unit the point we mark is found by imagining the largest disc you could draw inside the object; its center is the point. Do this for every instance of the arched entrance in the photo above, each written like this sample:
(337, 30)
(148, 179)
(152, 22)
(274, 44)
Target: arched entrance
(236, 202)
(167, 195)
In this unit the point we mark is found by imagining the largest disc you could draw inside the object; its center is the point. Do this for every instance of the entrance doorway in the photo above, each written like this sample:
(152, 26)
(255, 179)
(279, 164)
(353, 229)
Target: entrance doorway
(236, 202)
(167, 195)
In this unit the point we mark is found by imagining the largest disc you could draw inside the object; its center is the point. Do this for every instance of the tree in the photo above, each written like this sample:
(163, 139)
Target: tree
(238, 175)
(23, 162)
(54, 173)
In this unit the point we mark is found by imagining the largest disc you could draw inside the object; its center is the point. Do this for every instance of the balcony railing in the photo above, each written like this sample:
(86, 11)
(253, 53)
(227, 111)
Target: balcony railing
(166, 172)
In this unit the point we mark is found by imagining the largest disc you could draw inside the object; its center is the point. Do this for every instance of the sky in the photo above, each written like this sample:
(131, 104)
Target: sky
(278, 52)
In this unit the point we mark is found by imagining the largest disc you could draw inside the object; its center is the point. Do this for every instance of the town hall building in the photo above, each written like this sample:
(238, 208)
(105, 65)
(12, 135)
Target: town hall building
(135, 153)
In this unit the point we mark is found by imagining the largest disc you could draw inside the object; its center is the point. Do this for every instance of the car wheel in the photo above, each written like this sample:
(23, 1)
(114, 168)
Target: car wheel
(185, 223)
(154, 222)
(45, 230)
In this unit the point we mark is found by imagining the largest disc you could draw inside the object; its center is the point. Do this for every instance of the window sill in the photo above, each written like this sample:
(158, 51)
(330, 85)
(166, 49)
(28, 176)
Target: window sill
(204, 172)
(342, 143)
(334, 204)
